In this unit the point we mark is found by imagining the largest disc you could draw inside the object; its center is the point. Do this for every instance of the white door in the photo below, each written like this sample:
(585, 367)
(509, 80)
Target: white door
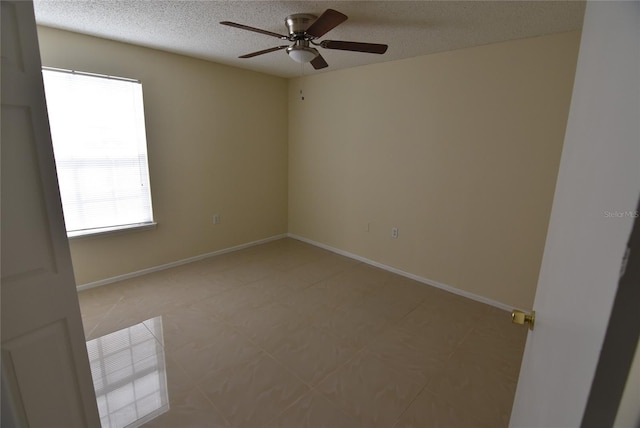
(46, 380)
(591, 220)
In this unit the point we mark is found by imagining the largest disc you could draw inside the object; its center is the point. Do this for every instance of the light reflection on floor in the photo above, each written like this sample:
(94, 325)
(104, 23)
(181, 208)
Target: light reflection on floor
(129, 374)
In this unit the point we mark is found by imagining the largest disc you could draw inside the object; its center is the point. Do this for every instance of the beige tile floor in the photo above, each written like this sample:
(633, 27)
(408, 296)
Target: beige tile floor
(289, 335)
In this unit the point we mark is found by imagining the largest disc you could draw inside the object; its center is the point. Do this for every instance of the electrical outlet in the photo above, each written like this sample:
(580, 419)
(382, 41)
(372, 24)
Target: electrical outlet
(216, 219)
(394, 232)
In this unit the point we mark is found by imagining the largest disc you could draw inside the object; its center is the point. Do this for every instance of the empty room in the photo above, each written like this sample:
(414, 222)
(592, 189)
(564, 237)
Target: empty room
(319, 214)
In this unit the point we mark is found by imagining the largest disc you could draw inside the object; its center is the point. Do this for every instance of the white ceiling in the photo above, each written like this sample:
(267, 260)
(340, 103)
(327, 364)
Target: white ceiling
(410, 28)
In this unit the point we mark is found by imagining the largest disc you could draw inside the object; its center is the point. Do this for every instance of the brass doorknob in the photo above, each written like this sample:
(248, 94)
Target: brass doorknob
(519, 317)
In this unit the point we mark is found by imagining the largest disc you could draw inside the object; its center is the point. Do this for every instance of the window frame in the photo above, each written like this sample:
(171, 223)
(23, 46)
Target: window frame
(116, 228)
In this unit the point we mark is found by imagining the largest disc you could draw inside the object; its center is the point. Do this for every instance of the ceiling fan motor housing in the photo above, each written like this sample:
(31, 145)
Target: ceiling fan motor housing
(298, 24)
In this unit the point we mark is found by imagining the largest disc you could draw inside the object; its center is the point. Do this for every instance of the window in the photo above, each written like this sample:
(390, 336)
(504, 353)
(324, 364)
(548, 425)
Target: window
(100, 147)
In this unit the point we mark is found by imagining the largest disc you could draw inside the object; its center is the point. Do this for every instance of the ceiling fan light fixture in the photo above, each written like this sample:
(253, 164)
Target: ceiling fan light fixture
(302, 54)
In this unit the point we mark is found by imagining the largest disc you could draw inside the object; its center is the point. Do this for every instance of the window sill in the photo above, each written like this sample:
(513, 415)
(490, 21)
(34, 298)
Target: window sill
(110, 231)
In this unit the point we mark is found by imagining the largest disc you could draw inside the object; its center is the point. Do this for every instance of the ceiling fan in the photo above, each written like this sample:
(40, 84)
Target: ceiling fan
(304, 29)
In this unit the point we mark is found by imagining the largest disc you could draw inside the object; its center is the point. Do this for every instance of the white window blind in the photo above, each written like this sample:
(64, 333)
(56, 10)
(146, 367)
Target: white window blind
(100, 146)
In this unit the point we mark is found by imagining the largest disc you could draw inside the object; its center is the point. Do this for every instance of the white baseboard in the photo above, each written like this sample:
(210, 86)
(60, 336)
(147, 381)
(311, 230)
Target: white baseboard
(426, 281)
(177, 263)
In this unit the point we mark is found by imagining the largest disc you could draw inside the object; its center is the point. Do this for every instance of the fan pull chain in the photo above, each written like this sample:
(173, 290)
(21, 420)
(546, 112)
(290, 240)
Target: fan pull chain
(301, 75)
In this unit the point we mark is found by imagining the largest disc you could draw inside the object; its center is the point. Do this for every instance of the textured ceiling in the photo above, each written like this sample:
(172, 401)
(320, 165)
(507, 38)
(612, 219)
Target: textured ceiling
(410, 28)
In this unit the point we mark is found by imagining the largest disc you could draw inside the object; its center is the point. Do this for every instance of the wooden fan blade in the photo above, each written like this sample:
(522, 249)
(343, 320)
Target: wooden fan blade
(252, 54)
(354, 46)
(329, 20)
(319, 62)
(255, 30)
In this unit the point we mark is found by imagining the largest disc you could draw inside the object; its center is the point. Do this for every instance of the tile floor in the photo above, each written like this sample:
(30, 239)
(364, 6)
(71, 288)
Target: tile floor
(289, 335)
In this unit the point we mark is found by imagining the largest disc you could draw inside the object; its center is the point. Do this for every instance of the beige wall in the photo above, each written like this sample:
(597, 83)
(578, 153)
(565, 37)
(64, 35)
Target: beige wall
(628, 412)
(217, 141)
(458, 150)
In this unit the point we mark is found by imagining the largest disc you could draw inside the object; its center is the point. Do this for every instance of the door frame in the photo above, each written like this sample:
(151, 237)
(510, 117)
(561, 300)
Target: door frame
(620, 342)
